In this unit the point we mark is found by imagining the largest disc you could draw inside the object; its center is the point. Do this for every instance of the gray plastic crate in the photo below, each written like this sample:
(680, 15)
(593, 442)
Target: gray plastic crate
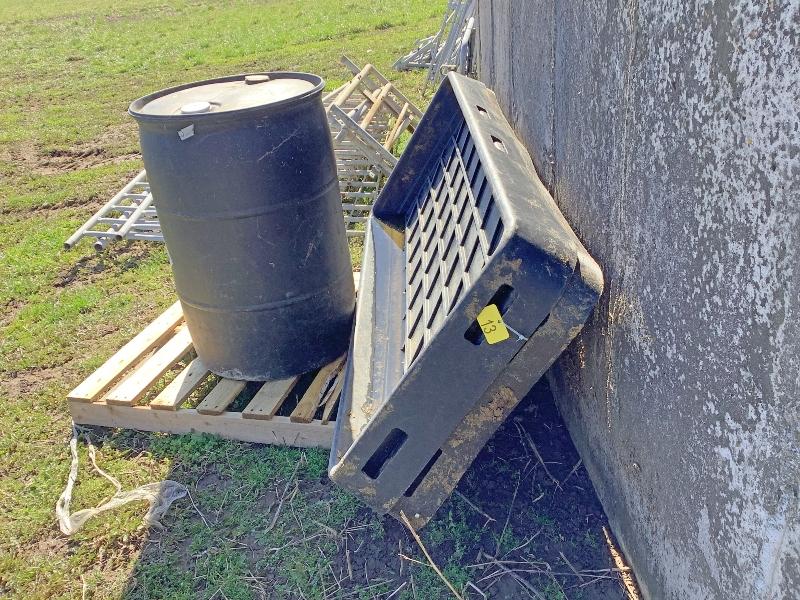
(463, 223)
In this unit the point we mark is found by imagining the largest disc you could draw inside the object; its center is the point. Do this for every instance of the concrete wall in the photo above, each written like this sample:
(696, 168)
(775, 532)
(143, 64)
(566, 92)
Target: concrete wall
(668, 134)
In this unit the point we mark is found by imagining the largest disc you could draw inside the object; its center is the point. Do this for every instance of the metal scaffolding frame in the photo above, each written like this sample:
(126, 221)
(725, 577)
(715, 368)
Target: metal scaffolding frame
(363, 166)
(448, 49)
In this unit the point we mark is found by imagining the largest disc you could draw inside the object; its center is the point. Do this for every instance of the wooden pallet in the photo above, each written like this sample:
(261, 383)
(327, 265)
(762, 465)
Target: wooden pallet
(375, 104)
(156, 383)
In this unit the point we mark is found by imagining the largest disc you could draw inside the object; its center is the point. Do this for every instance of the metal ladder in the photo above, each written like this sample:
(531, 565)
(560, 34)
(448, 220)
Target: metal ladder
(367, 116)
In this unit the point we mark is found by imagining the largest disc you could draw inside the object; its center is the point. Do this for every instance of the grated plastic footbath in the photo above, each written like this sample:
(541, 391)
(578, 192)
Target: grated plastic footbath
(462, 223)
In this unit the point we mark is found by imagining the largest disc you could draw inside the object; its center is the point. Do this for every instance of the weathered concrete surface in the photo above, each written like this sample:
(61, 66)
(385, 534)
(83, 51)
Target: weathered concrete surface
(668, 134)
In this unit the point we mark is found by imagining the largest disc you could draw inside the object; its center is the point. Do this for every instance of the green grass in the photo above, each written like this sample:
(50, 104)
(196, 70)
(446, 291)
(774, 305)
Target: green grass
(68, 71)
(116, 54)
(261, 522)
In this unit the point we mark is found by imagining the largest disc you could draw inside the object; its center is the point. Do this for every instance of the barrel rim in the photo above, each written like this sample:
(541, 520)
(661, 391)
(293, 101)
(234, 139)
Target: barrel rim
(139, 103)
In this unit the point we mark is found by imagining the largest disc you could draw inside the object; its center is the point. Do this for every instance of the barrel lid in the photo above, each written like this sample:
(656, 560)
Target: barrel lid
(228, 94)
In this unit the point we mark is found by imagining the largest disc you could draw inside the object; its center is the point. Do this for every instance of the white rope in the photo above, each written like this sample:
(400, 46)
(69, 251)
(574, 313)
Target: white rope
(160, 495)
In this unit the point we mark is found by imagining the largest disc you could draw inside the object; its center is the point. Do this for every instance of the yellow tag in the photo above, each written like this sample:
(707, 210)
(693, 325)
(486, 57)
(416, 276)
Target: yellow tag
(492, 324)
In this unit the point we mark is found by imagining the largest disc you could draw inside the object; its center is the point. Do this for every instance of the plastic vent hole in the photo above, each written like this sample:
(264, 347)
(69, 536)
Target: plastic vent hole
(502, 299)
(482, 111)
(425, 470)
(498, 143)
(388, 448)
(496, 237)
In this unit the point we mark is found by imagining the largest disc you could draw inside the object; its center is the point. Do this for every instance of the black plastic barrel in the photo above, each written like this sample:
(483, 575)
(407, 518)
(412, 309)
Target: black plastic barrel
(244, 176)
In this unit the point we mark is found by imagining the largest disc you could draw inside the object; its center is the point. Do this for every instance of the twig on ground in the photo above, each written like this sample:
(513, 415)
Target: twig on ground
(533, 447)
(219, 589)
(299, 591)
(510, 508)
(611, 570)
(522, 545)
(593, 580)
(480, 565)
(331, 531)
(257, 582)
(275, 517)
(475, 508)
(558, 585)
(413, 560)
(428, 556)
(569, 564)
(294, 543)
(196, 509)
(476, 588)
(626, 574)
(282, 499)
(297, 520)
(537, 571)
(493, 581)
(511, 567)
(572, 472)
(526, 586)
(327, 561)
(397, 591)
(218, 512)
(234, 544)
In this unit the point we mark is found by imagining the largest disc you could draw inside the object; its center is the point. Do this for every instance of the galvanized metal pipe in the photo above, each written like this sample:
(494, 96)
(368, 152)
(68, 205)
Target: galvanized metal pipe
(75, 237)
(463, 53)
(123, 231)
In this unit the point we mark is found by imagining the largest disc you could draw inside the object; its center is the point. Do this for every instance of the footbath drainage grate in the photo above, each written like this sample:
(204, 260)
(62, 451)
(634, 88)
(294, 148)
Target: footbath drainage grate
(472, 284)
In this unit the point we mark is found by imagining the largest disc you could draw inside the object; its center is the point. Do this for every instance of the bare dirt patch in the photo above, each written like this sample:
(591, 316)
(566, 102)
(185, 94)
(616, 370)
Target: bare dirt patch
(10, 311)
(113, 146)
(122, 257)
(91, 203)
(27, 381)
(79, 157)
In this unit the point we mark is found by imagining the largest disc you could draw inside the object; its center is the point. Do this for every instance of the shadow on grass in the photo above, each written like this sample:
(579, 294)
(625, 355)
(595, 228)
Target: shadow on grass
(265, 522)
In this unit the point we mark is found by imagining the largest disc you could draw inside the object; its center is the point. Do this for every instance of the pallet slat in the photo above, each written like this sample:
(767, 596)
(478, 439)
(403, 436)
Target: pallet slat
(220, 397)
(379, 100)
(333, 398)
(307, 407)
(269, 398)
(187, 381)
(230, 425)
(131, 389)
(151, 336)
